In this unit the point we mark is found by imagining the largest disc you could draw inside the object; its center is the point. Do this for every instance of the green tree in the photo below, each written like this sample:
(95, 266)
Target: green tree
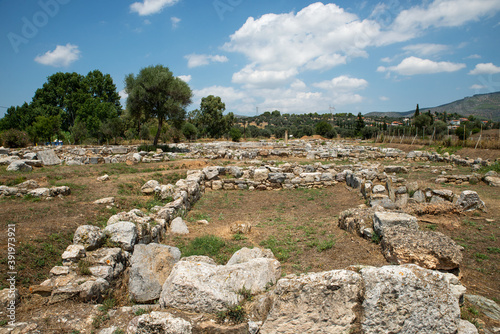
(235, 134)
(189, 131)
(156, 92)
(211, 117)
(360, 123)
(322, 128)
(45, 127)
(462, 132)
(417, 111)
(423, 120)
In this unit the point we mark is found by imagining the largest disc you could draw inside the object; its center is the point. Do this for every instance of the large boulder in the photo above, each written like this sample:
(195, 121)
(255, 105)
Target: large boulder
(202, 287)
(149, 187)
(324, 302)
(431, 250)
(178, 226)
(158, 323)
(91, 237)
(48, 157)
(246, 254)
(150, 266)
(260, 174)
(492, 180)
(123, 233)
(19, 166)
(385, 220)
(408, 299)
(469, 200)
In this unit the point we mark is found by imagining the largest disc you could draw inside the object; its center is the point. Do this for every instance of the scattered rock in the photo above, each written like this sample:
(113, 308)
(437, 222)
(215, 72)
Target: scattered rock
(107, 201)
(178, 226)
(19, 166)
(315, 303)
(485, 305)
(150, 266)
(201, 287)
(385, 220)
(158, 322)
(91, 237)
(465, 327)
(240, 227)
(149, 187)
(492, 181)
(469, 200)
(123, 233)
(246, 254)
(408, 299)
(73, 254)
(431, 250)
(48, 157)
(103, 178)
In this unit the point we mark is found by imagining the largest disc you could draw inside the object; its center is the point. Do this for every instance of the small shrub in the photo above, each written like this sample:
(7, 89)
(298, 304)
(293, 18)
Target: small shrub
(141, 311)
(245, 293)
(83, 268)
(375, 238)
(235, 314)
(14, 138)
(207, 245)
(235, 134)
(493, 250)
(431, 227)
(325, 245)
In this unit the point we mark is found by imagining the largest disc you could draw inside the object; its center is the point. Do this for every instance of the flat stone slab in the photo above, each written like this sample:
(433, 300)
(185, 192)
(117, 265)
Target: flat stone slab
(48, 157)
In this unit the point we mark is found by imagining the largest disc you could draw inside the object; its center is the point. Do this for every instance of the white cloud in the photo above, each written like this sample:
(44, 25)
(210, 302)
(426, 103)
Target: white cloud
(426, 49)
(147, 22)
(343, 83)
(149, 7)
(196, 60)
(123, 94)
(318, 37)
(251, 77)
(384, 98)
(477, 87)
(175, 22)
(414, 65)
(185, 78)
(62, 56)
(439, 13)
(487, 68)
(474, 56)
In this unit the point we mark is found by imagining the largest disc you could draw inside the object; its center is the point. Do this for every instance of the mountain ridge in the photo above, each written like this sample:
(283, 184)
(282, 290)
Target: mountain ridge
(485, 106)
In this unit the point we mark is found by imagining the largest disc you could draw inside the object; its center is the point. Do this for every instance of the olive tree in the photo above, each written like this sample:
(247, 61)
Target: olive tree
(156, 92)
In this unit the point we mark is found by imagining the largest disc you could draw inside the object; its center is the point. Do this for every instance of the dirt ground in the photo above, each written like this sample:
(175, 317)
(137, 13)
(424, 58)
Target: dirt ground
(300, 226)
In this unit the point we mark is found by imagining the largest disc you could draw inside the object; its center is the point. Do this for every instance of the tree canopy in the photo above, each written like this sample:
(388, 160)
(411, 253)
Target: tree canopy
(210, 118)
(155, 92)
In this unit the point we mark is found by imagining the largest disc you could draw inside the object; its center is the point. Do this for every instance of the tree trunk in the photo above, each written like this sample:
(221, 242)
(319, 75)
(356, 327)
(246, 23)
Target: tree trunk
(160, 125)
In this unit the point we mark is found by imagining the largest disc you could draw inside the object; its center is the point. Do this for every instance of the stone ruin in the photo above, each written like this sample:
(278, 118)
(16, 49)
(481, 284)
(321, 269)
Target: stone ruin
(421, 288)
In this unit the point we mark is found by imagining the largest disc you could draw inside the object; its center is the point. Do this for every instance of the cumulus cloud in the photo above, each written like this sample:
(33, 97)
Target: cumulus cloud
(175, 22)
(196, 60)
(149, 7)
(317, 37)
(414, 65)
(426, 49)
(62, 56)
(439, 13)
(123, 94)
(185, 78)
(343, 83)
(251, 77)
(485, 68)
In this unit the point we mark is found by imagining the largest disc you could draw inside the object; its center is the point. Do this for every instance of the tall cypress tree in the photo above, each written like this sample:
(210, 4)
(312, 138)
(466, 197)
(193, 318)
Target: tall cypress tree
(417, 111)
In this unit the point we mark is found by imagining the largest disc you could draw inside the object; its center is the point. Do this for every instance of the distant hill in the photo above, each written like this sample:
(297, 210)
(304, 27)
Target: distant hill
(485, 106)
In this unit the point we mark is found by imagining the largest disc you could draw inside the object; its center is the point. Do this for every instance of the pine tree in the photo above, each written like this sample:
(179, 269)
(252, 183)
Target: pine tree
(417, 111)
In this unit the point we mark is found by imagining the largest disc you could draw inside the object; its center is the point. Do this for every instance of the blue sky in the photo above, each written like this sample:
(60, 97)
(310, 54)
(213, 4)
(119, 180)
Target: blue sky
(294, 56)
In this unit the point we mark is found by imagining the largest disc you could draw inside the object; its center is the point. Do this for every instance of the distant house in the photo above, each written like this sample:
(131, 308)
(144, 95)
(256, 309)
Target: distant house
(455, 122)
(462, 120)
(396, 123)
